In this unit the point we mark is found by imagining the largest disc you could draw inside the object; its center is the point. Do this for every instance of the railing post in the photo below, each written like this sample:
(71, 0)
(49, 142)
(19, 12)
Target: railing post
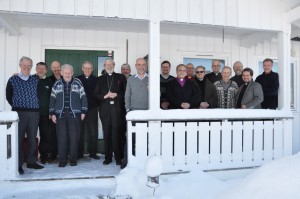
(9, 145)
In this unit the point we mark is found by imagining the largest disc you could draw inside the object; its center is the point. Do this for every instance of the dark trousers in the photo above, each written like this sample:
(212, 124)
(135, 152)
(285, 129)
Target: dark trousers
(28, 123)
(44, 125)
(90, 123)
(67, 126)
(53, 139)
(112, 122)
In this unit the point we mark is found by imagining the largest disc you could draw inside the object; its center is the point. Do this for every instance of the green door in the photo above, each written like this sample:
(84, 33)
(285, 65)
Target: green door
(76, 58)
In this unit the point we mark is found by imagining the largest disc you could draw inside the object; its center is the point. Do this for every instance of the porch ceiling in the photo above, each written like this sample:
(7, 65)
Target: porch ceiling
(14, 21)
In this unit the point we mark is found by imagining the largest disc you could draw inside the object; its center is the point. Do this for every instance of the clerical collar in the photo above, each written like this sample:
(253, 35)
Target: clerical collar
(165, 76)
(200, 79)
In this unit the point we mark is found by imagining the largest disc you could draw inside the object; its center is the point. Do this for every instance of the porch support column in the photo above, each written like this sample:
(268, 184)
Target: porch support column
(154, 56)
(284, 53)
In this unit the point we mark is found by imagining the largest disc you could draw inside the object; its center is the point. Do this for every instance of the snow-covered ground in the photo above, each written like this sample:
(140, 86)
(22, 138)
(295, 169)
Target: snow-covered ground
(279, 179)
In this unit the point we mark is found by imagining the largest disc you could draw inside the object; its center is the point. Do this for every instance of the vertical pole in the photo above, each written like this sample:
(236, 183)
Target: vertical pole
(284, 53)
(154, 66)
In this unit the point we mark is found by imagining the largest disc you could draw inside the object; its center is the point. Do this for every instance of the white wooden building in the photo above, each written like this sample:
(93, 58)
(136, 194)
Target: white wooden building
(245, 30)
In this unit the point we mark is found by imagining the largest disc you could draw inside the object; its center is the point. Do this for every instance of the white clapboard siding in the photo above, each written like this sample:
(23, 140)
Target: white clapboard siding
(219, 12)
(215, 146)
(167, 143)
(179, 143)
(203, 141)
(232, 12)
(191, 143)
(247, 142)
(52, 6)
(268, 140)
(258, 142)
(226, 143)
(182, 11)
(258, 14)
(195, 11)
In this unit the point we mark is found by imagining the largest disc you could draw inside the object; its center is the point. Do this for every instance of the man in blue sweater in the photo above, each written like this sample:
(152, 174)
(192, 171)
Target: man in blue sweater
(21, 94)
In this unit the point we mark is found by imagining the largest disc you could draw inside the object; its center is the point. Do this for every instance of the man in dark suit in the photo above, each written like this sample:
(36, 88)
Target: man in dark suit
(215, 75)
(110, 91)
(269, 81)
(90, 121)
(182, 93)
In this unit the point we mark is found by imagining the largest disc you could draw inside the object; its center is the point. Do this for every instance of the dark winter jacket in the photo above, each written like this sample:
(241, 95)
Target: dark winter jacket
(176, 94)
(78, 100)
(89, 85)
(238, 80)
(208, 92)
(212, 77)
(270, 85)
(44, 92)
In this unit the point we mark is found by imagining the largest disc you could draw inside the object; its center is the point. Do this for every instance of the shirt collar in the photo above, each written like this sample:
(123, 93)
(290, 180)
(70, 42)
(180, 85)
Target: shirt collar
(23, 77)
(136, 75)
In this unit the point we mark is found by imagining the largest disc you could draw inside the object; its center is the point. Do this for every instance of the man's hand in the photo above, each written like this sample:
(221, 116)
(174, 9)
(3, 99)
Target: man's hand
(53, 118)
(110, 95)
(165, 105)
(204, 105)
(185, 105)
(82, 116)
(243, 107)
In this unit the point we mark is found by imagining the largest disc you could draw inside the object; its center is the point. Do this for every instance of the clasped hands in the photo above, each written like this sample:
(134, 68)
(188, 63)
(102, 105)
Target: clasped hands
(110, 95)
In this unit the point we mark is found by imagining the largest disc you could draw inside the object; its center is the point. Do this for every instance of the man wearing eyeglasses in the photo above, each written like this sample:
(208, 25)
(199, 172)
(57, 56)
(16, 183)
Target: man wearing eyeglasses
(208, 91)
(90, 121)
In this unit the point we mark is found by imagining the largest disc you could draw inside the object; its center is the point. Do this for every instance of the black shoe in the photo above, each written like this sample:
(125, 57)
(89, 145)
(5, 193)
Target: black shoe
(21, 171)
(118, 162)
(34, 166)
(43, 160)
(96, 157)
(62, 164)
(73, 163)
(106, 162)
(123, 165)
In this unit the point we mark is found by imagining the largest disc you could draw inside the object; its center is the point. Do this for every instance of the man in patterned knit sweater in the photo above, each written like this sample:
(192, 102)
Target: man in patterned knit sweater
(21, 94)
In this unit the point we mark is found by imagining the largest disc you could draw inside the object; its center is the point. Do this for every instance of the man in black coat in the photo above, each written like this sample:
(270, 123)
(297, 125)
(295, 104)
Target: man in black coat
(215, 75)
(269, 81)
(238, 68)
(209, 97)
(44, 91)
(182, 93)
(90, 121)
(110, 91)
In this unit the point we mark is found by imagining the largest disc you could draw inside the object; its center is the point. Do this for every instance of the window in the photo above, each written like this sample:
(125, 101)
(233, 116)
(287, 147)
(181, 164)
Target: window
(203, 62)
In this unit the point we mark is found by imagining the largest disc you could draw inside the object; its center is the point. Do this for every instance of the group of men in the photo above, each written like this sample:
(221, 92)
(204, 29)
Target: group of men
(192, 88)
(64, 107)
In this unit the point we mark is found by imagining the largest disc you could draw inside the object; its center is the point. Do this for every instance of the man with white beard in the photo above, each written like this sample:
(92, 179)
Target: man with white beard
(238, 68)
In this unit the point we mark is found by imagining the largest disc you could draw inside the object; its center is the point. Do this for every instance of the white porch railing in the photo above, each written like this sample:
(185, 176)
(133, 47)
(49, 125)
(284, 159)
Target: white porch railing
(9, 145)
(210, 139)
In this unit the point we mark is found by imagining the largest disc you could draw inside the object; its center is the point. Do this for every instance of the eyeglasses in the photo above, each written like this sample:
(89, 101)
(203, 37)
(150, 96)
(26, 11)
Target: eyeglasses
(87, 68)
(200, 71)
